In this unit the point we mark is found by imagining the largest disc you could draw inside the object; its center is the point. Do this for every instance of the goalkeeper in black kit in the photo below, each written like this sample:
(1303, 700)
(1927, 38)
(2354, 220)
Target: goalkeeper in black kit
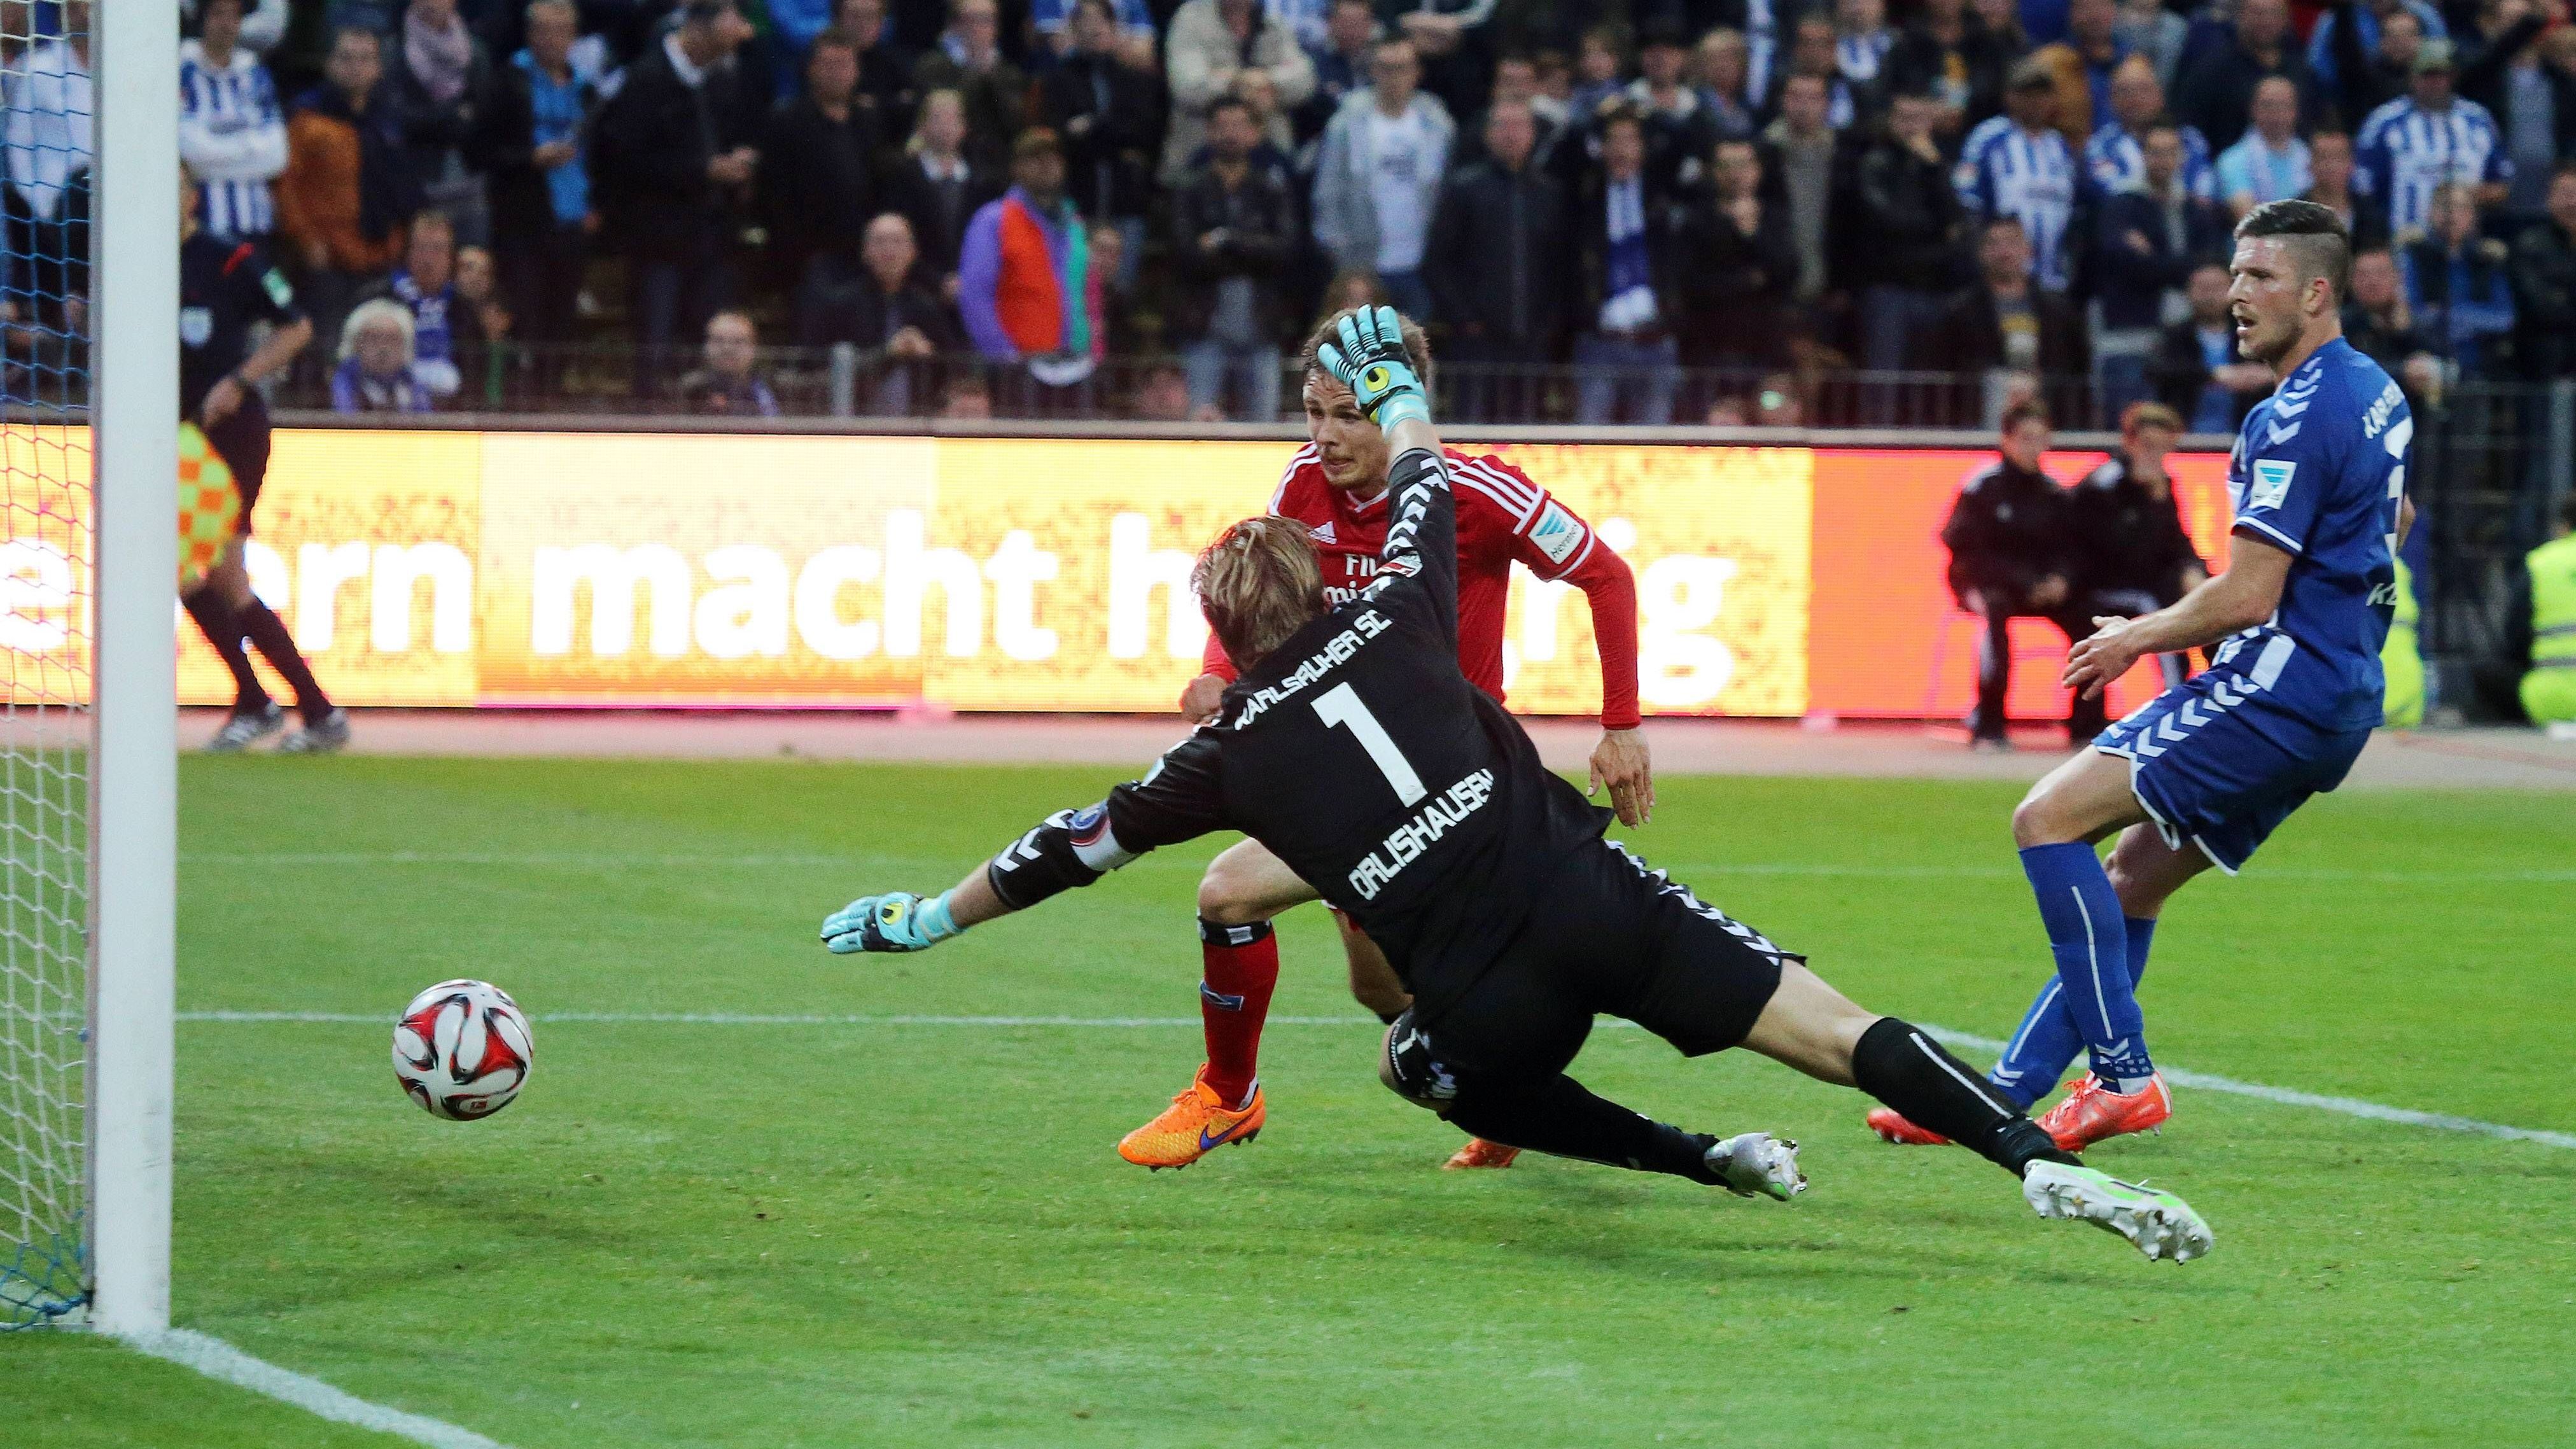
(1483, 875)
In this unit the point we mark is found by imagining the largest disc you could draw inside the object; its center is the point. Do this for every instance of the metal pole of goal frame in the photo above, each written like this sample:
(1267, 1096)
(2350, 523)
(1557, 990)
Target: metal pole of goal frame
(134, 776)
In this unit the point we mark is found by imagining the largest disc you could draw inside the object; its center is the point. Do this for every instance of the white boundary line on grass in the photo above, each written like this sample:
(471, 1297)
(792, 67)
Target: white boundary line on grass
(2202, 1081)
(731, 1018)
(2348, 1106)
(625, 860)
(217, 1359)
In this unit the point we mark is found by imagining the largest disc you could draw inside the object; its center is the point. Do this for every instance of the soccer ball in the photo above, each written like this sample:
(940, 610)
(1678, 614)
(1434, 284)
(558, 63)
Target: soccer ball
(462, 1050)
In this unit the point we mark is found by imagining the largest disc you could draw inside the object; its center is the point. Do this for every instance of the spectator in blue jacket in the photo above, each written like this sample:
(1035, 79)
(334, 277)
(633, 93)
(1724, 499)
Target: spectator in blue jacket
(2323, 60)
(2148, 238)
(793, 26)
(2457, 286)
(536, 142)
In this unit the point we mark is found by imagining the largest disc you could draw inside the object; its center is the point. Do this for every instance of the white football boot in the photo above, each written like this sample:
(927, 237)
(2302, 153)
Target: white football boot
(1757, 1163)
(2160, 1224)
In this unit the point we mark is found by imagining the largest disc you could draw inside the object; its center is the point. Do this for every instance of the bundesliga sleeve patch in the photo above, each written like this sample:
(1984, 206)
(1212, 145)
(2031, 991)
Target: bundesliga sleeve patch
(1556, 533)
(2271, 482)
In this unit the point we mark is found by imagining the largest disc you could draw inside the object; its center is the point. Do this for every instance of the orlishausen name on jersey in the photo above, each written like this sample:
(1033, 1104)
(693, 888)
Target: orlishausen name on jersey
(1409, 840)
(1337, 650)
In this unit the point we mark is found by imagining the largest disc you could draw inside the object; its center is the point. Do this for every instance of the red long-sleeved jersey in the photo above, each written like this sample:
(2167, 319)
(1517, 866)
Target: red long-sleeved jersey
(1502, 516)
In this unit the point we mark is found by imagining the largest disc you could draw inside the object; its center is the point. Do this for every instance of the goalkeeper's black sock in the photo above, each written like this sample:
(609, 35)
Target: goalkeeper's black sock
(267, 633)
(1557, 1116)
(1896, 1063)
(216, 621)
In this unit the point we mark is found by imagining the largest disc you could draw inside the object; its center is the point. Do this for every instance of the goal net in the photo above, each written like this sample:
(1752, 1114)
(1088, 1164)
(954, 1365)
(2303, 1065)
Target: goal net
(88, 567)
(47, 568)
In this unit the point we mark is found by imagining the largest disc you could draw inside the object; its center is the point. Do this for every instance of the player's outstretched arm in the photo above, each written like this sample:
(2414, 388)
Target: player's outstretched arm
(2244, 596)
(902, 921)
(1068, 850)
(1422, 534)
(1179, 799)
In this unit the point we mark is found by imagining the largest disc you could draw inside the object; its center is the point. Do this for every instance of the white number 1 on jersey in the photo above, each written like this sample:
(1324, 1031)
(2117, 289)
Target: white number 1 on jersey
(1340, 705)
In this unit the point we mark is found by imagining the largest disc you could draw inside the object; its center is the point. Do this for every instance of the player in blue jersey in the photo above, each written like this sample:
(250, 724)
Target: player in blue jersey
(2202, 773)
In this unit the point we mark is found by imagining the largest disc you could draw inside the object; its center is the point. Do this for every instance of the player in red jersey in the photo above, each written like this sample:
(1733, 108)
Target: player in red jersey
(1336, 486)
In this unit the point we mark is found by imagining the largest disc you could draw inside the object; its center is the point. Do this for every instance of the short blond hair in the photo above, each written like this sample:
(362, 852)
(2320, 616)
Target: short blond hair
(2148, 415)
(1258, 584)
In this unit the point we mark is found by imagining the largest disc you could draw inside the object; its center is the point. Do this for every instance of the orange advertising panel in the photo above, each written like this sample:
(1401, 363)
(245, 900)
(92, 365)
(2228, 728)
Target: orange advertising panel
(1888, 640)
(642, 570)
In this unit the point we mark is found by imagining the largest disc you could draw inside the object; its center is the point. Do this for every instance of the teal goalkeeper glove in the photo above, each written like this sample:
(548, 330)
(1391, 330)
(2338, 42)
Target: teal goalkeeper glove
(1372, 363)
(895, 921)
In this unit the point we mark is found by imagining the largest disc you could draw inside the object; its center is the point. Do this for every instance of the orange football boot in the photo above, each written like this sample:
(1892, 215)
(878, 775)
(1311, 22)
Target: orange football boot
(1480, 1153)
(1892, 1126)
(2093, 1111)
(1197, 1122)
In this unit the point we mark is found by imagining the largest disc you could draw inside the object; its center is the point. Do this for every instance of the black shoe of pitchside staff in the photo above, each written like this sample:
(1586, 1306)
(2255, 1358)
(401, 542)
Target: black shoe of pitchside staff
(324, 736)
(247, 728)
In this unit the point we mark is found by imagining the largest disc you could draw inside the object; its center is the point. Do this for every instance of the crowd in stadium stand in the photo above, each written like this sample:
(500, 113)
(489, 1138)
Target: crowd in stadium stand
(1701, 206)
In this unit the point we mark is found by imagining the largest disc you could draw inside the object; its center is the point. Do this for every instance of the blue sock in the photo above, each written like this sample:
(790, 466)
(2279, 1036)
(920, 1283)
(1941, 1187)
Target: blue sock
(2045, 1044)
(2036, 1058)
(2142, 938)
(2082, 915)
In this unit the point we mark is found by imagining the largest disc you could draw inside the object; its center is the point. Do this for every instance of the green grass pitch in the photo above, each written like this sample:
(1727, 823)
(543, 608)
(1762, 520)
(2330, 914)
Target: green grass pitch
(729, 1235)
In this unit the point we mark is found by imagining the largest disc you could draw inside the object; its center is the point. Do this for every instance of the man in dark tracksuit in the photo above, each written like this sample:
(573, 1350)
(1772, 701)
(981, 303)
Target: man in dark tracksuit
(2128, 534)
(2012, 556)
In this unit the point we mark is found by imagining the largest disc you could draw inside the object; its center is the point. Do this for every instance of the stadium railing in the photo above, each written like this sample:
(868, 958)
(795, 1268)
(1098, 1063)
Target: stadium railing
(846, 381)
(2490, 462)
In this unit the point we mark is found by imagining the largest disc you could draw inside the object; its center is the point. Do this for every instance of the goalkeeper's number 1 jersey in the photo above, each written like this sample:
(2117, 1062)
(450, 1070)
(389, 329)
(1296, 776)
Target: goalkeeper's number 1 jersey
(1362, 757)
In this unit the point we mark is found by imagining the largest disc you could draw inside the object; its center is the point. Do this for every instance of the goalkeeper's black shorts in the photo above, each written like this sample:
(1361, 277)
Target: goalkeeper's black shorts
(1608, 936)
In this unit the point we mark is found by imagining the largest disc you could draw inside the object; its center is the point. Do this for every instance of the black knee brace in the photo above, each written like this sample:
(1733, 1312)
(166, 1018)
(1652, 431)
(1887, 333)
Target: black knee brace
(1412, 1072)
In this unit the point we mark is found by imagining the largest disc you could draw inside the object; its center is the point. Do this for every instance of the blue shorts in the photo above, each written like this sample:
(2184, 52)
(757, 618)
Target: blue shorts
(2216, 764)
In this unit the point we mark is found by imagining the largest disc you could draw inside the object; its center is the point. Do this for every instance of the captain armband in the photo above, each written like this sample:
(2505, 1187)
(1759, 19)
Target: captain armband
(1068, 850)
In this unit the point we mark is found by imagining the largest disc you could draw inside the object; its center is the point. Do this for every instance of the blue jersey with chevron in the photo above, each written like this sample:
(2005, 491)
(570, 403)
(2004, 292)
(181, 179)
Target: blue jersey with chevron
(2318, 470)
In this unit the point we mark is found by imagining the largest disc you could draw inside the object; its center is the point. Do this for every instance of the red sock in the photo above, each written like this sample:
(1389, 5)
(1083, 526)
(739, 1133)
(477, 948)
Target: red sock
(1239, 966)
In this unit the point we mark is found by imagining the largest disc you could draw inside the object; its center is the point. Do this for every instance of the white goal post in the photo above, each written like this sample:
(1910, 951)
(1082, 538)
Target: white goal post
(135, 780)
(87, 603)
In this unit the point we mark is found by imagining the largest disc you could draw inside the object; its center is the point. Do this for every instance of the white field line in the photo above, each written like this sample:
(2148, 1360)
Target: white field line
(2200, 1081)
(622, 860)
(217, 1359)
(2348, 1106)
(729, 1018)
(574, 860)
